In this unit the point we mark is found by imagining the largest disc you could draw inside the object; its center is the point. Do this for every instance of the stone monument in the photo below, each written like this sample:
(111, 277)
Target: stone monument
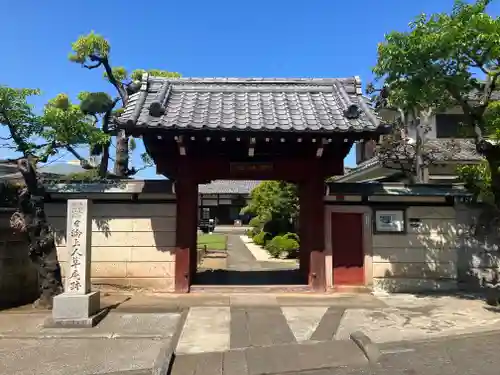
(78, 306)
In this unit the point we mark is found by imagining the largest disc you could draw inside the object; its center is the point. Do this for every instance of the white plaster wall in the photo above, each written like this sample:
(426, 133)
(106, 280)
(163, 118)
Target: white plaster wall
(425, 258)
(132, 243)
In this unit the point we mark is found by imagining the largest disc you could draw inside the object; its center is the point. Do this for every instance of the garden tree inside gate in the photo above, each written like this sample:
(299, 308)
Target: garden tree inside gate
(452, 59)
(274, 206)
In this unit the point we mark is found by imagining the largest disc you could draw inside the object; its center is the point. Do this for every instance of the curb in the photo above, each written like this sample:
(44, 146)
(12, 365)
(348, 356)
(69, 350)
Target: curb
(166, 356)
(83, 336)
(446, 337)
(369, 349)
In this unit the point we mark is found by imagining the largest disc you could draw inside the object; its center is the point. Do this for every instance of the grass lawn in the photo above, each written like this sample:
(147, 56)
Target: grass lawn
(213, 241)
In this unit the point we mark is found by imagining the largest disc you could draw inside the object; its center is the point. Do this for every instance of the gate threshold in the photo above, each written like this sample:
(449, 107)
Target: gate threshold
(250, 289)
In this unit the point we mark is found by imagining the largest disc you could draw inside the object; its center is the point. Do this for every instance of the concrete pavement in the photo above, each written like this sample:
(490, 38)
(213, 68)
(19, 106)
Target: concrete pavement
(229, 330)
(465, 354)
(121, 342)
(235, 330)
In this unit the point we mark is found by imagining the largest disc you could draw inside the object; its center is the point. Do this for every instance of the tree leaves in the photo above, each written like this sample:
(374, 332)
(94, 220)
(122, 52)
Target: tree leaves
(449, 60)
(95, 103)
(89, 47)
(272, 199)
(442, 57)
(136, 75)
(62, 124)
(92, 51)
(17, 115)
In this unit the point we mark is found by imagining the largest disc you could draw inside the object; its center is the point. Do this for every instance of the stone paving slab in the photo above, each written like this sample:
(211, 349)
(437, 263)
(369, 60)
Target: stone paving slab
(410, 317)
(271, 359)
(207, 329)
(114, 325)
(474, 355)
(76, 356)
(214, 329)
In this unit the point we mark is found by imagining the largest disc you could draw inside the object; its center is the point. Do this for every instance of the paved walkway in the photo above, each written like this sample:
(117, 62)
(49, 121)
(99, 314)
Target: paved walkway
(259, 331)
(241, 268)
(121, 342)
(224, 328)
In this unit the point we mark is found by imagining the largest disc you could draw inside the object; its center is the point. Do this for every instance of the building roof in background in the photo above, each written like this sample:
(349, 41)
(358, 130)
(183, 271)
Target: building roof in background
(8, 170)
(228, 187)
(444, 150)
(377, 188)
(250, 104)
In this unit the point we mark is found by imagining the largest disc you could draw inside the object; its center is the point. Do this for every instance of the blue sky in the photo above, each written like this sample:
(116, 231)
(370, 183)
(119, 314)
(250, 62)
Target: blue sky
(199, 38)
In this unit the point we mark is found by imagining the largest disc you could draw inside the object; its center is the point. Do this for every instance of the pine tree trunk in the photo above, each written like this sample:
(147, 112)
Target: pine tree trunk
(32, 221)
(103, 166)
(494, 165)
(121, 160)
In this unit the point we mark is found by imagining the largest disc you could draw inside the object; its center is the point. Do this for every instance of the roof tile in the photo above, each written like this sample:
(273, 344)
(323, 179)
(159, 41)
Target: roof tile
(251, 104)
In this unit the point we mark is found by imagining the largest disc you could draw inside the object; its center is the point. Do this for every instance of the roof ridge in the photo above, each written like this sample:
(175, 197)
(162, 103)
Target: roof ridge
(278, 80)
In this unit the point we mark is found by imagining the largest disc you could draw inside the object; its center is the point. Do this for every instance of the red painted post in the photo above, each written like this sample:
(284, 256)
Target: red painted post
(312, 250)
(186, 221)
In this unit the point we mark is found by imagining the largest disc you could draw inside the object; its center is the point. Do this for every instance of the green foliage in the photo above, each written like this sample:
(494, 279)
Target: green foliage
(252, 232)
(146, 159)
(66, 124)
(95, 102)
(85, 176)
(278, 225)
(292, 236)
(477, 179)
(446, 60)
(257, 222)
(88, 46)
(273, 199)
(61, 126)
(283, 245)
(136, 75)
(8, 194)
(119, 72)
(93, 51)
(492, 119)
(435, 64)
(261, 238)
(17, 115)
(132, 145)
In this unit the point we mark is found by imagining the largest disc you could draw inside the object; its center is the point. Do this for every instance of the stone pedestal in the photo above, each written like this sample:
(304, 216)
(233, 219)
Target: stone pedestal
(76, 310)
(77, 306)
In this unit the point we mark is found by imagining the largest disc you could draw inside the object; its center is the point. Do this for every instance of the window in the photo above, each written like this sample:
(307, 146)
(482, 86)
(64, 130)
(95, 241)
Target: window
(453, 126)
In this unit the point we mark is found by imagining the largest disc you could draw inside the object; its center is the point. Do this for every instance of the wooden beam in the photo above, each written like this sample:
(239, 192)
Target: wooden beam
(251, 148)
(319, 151)
(180, 144)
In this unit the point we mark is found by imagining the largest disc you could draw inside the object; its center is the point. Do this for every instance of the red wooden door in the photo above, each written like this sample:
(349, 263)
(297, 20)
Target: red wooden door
(347, 248)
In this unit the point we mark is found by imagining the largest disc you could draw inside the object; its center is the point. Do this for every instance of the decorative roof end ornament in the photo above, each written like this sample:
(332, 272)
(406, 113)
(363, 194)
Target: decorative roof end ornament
(156, 109)
(352, 112)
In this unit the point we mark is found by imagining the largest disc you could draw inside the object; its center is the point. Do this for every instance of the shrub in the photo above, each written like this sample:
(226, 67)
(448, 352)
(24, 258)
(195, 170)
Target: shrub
(252, 232)
(257, 222)
(282, 245)
(292, 236)
(276, 226)
(261, 238)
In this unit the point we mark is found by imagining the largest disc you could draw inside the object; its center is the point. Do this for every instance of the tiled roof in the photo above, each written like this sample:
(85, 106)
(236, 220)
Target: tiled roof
(442, 149)
(228, 187)
(460, 150)
(288, 105)
(377, 188)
